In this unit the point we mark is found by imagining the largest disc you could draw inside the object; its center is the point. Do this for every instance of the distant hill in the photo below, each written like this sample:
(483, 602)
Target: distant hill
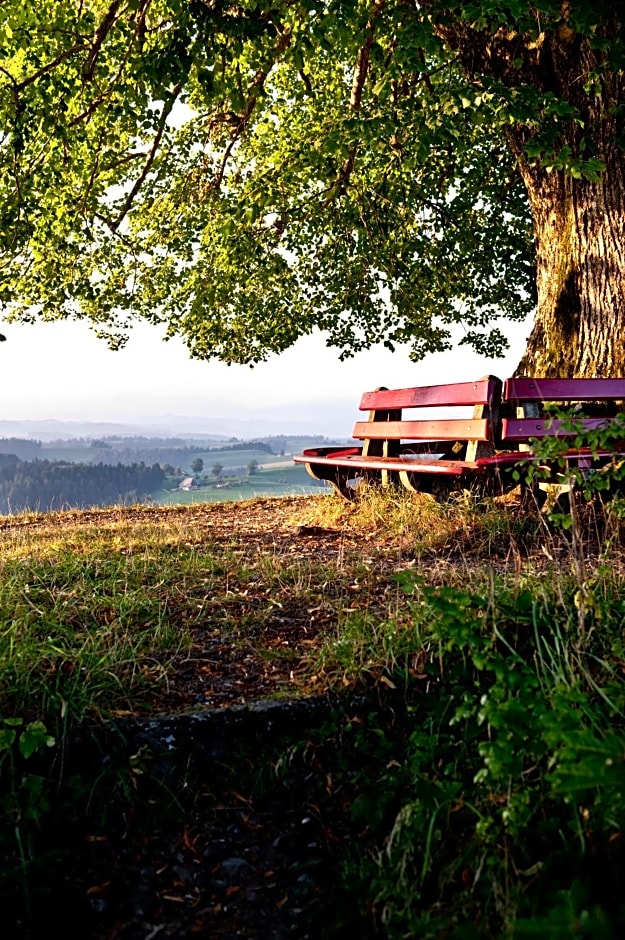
(53, 429)
(295, 419)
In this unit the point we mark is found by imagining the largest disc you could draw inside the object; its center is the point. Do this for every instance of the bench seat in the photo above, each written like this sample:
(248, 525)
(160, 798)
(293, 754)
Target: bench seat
(419, 463)
(582, 457)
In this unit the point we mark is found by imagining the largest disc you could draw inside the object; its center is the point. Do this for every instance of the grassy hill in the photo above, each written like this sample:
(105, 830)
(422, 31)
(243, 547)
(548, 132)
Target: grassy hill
(476, 791)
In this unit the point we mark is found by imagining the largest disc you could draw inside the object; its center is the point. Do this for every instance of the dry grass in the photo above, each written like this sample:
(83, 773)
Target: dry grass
(140, 609)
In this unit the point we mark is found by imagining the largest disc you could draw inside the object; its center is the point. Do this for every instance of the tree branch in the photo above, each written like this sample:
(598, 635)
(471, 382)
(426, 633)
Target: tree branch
(92, 108)
(361, 67)
(307, 83)
(257, 83)
(79, 47)
(151, 157)
(100, 35)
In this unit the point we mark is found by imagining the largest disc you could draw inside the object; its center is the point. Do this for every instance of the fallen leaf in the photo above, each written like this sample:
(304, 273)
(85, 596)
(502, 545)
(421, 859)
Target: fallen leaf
(388, 682)
(99, 889)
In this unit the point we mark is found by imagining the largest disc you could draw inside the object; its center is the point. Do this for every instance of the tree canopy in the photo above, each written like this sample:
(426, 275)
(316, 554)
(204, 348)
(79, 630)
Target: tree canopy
(245, 171)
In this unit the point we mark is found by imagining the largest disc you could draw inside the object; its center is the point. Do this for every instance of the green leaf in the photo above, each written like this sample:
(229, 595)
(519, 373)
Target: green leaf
(34, 738)
(7, 738)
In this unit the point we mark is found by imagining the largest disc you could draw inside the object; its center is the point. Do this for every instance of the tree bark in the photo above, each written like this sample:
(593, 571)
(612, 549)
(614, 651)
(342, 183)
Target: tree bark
(579, 226)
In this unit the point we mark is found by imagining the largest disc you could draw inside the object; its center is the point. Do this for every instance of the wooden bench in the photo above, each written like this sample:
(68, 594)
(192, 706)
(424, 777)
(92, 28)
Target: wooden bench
(527, 415)
(423, 450)
(428, 451)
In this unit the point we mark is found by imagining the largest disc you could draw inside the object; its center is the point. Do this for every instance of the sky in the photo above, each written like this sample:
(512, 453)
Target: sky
(63, 371)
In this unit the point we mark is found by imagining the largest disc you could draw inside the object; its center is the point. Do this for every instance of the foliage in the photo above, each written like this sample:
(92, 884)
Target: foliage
(24, 795)
(598, 477)
(506, 806)
(503, 814)
(197, 465)
(28, 738)
(245, 172)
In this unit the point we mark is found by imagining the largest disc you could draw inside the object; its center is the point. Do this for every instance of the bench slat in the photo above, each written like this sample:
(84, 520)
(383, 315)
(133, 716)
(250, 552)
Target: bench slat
(343, 459)
(476, 429)
(563, 389)
(459, 393)
(520, 429)
(509, 459)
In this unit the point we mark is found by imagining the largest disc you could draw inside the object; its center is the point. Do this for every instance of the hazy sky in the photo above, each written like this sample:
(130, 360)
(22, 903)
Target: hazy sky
(61, 370)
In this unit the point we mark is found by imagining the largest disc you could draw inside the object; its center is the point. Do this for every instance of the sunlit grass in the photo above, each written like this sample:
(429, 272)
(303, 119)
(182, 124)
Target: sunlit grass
(99, 609)
(88, 625)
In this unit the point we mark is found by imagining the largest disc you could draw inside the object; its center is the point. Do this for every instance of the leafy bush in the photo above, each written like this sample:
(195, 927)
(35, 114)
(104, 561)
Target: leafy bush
(513, 780)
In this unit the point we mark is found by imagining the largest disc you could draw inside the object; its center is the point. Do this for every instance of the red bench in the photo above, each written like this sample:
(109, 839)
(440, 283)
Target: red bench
(435, 453)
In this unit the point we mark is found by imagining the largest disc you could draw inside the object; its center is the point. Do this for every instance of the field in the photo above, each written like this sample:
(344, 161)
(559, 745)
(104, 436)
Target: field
(286, 479)
(234, 458)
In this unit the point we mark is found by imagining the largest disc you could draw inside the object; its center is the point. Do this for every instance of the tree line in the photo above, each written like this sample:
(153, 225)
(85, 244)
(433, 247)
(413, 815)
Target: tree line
(22, 447)
(44, 485)
(245, 445)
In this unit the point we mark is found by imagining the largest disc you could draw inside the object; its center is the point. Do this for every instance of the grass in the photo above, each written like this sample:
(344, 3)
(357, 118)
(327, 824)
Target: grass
(99, 610)
(500, 813)
(236, 491)
(90, 617)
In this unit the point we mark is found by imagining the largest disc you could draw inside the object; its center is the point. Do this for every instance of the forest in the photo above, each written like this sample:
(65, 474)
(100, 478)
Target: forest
(43, 485)
(22, 447)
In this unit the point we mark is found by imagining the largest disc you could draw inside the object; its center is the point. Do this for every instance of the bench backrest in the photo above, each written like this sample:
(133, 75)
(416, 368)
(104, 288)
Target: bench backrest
(564, 390)
(530, 395)
(387, 422)
(481, 392)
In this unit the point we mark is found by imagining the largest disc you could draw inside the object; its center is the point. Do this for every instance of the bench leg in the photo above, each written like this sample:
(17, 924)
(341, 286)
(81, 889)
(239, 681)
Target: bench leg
(337, 477)
(432, 485)
(492, 484)
(340, 482)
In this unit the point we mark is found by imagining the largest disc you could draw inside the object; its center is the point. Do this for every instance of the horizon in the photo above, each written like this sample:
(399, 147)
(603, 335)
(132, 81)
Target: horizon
(61, 372)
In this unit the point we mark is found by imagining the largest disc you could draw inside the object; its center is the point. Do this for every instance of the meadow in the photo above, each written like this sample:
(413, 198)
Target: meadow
(285, 479)
(482, 795)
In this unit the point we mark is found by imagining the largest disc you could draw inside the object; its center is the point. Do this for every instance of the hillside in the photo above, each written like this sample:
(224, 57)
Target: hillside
(442, 755)
(247, 594)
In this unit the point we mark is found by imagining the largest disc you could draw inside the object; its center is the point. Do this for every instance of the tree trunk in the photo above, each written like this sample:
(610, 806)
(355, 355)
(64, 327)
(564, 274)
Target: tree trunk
(579, 225)
(579, 330)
